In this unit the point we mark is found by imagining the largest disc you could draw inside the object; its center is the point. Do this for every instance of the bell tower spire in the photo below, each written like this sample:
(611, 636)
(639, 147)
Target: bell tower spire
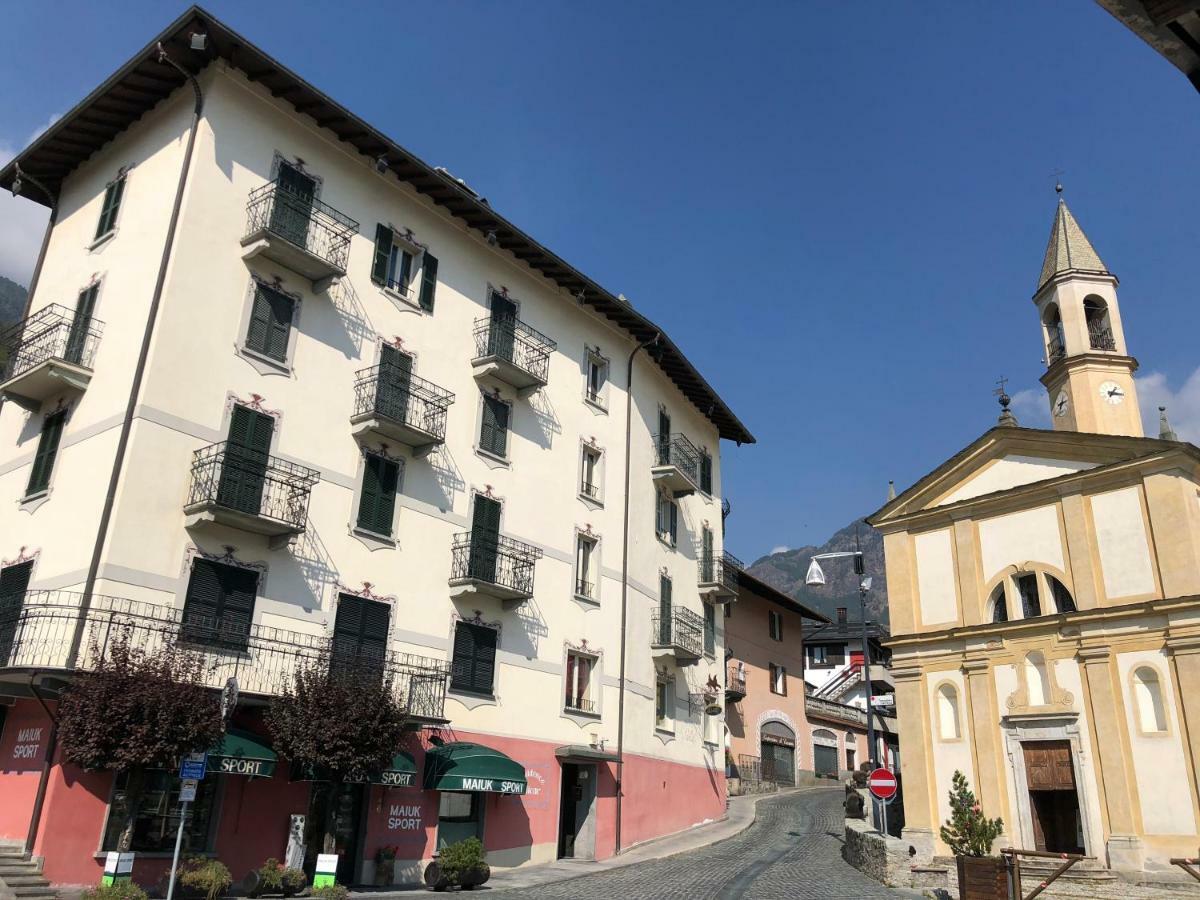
(1089, 374)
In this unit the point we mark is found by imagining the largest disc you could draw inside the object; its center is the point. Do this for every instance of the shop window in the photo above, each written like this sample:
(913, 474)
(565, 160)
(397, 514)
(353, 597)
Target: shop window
(156, 820)
(1147, 691)
(947, 704)
(460, 816)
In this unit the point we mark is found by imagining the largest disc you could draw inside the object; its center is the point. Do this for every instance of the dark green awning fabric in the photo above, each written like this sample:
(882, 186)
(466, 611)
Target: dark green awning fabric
(242, 753)
(401, 773)
(461, 766)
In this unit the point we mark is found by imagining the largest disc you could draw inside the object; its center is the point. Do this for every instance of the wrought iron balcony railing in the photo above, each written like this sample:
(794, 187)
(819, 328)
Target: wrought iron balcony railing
(389, 393)
(590, 490)
(251, 484)
(509, 340)
(305, 222)
(719, 571)
(1057, 350)
(36, 632)
(735, 681)
(677, 462)
(51, 333)
(491, 558)
(584, 588)
(580, 704)
(1101, 337)
(681, 630)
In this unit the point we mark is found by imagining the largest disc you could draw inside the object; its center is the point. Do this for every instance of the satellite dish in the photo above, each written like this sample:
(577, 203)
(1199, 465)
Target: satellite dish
(815, 577)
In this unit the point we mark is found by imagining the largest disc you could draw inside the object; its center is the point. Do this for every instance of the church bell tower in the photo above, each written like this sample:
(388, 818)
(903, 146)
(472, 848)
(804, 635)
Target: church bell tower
(1089, 373)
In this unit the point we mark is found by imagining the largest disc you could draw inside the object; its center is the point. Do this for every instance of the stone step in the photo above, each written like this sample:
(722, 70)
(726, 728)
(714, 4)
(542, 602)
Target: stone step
(29, 892)
(31, 878)
(7, 872)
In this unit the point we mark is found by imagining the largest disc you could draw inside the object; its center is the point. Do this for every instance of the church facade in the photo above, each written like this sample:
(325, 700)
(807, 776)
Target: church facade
(1044, 587)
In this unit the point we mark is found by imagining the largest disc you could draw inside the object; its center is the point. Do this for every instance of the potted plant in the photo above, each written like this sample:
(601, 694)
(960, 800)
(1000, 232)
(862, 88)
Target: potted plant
(206, 878)
(385, 866)
(458, 865)
(273, 878)
(970, 835)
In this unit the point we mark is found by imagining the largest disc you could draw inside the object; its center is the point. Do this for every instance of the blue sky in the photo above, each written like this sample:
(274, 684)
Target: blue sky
(838, 211)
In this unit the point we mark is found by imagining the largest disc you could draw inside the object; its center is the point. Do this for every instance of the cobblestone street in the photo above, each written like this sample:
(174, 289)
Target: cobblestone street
(793, 850)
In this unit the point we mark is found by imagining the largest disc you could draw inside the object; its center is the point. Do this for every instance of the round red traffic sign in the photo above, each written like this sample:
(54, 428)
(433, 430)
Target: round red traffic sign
(882, 784)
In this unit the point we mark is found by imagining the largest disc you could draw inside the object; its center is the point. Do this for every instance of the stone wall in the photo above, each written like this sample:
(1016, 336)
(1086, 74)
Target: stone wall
(886, 859)
(739, 787)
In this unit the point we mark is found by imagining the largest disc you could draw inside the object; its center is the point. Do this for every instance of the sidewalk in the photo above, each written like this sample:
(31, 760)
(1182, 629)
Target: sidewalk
(739, 817)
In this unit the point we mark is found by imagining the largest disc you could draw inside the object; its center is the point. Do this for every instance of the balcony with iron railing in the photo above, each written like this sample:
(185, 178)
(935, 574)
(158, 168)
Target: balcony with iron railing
(50, 351)
(242, 488)
(718, 576)
(1100, 336)
(38, 630)
(393, 405)
(676, 464)
(487, 564)
(307, 236)
(678, 634)
(735, 682)
(511, 352)
(1056, 349)
(580, 705)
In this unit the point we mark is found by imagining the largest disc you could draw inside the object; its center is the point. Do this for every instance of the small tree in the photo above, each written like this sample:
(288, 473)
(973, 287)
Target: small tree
(137, 710)
(341, 719)
(967, 832)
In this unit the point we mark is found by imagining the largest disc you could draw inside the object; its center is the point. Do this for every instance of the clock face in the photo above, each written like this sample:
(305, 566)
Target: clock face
(1061, 404)
(1112, 393)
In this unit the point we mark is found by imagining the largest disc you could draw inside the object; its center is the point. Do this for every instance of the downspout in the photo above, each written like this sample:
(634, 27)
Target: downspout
(35, 818)
(127, 424)
(625, 584)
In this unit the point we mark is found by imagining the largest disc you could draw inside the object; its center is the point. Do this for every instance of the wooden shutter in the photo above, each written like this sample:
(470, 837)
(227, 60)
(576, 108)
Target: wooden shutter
(377, 501)
(219, 606)
(270, 323)
(706, 473)
(486, 516)
(47, 452)
(14, 582)
(664, 438)
(383, 253)
(428, 282)
(474, 664)
(710, 629)
(360, 633)
(81, 324)
(674, 513)
(243, 473)
(493, 434)
(112, 203)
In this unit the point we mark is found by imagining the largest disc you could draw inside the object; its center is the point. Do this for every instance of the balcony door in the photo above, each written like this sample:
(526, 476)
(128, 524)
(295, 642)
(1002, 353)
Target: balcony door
(244, 470)
(707, 565)
(664, 610)
(664, 438)
(81, 325)
(360, 634)
(485, 539)
(395, 384)
(14, 582)
(292, 210)
(503, 330)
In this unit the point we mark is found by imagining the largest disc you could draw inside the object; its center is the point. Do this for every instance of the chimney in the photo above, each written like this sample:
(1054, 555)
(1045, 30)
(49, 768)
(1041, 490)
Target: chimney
(841, 615)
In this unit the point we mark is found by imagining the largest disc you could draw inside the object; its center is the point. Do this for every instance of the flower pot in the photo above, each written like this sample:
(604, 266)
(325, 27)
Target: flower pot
(385, 872)
(982, 878)
(434, 878)
(476, 877)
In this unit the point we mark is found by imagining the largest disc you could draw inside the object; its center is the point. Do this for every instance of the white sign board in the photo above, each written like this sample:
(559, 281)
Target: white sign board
(118, 863)
(888, 700)
(327, 863)
(187, 790)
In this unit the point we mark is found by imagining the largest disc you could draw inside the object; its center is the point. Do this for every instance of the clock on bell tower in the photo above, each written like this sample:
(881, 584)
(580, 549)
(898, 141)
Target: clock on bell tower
(1089, 374)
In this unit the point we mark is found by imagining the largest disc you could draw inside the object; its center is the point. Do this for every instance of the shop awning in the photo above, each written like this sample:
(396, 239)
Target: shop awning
(401, 773)
(585, 753)
(242, 753)
(461, 766)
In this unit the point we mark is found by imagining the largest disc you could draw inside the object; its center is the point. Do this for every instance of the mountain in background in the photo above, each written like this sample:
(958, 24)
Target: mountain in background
(12, 301)
(786, 570)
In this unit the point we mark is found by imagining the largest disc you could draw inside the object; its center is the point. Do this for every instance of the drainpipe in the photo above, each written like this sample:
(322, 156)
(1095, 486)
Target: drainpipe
(625, 584)
(127, 424)
(35, 818)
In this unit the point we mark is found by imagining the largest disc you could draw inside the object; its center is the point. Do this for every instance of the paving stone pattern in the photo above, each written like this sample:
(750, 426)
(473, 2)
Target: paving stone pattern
(793, 850)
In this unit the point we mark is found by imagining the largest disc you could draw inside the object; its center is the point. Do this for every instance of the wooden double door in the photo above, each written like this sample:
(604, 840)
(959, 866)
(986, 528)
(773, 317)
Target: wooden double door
(1053, 796)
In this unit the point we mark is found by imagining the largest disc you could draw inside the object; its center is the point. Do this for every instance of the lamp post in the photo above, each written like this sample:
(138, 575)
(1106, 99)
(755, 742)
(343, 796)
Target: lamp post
(815, 577)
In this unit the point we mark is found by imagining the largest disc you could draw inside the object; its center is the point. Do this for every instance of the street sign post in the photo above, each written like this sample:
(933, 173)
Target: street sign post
(187, 790)
(883, 786)
(191, 770)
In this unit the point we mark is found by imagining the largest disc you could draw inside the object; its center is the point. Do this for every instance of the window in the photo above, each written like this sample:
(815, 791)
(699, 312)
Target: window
(818, 655)
(710, 630)
(1063, 601)
(460, 816)
(778, 679)
(79, 339)
(579, 682)
(493, 433)
(666, 522)
(111, 206)
(585, 568)
(706, 472)
(270, 322)
(775, 625)
(665, 610)
(429, 270)
(947, 705)
(597, 378)
(377, 499)
(392, 266)
(14, 582)
(850, 758)
(219, 605)
(1037, 679)
(474, 663)
(360, 634)
(1147, 691)
(999, 604)
(664, 703)
(156, 820)
(589, 481)
(1027, 589)
(47, 453)
(1100, 336)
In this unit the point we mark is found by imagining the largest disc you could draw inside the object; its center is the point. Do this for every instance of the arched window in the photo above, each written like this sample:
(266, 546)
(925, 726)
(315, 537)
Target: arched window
(1147, 690)
(1027, 589)
(947, 706)
(1037, 679)
(999, 604)
(1063, 601)
(1100, 335)
(1056, 347)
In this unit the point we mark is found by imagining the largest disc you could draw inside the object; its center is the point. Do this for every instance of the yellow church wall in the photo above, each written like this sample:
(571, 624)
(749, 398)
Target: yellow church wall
(1173, 502)
(1122, 544)
(936, 577)
(951, 751)
(1014, 539)
(1012, 471)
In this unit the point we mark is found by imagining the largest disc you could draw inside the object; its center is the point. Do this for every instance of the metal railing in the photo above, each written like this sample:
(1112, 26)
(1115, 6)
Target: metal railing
(681, 628)
(391, 393)
(50, 333)
(37, 631)
(253, 483)
(510, 339)
(735, 679)
(722, 570)
(676, 450)
(748, 768)
(306, 222)
(1057, 349)
(590, 490)
(580, 704)
(1101, 337)
(584, 588)
(494, 559)
(1012, 863)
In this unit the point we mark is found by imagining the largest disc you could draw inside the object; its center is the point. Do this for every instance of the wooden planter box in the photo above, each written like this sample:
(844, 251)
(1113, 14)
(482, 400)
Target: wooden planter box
(982, 878)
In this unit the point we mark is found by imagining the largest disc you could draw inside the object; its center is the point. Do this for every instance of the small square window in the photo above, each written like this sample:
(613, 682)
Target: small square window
(819, 655)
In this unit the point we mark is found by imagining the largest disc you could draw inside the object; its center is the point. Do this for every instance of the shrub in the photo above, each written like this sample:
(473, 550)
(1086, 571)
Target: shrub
(270, 877)
(122, 890)
(968, 832)
(207, 875)
(294, 881)
(456, 860)
(330, 892)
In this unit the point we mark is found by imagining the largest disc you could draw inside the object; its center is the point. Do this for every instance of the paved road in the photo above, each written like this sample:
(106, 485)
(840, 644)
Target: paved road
(793, 850)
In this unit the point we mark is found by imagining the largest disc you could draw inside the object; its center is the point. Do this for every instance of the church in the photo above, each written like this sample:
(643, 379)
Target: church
(1044, 587)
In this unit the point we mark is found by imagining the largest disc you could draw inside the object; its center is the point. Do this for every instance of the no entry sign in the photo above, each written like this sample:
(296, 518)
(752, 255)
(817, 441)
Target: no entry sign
(882, 784)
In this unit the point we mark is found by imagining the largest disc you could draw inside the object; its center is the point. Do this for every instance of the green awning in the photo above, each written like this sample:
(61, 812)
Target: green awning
(242, 753)
(460, 766)
(401, 773)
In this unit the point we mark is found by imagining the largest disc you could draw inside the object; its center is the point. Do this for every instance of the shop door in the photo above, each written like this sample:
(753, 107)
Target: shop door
(345, 804)
(778, 763)
(576, 822)
(1053, 800)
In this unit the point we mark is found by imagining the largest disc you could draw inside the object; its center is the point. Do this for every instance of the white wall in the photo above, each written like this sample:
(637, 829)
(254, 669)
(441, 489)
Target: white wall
(1121, 539)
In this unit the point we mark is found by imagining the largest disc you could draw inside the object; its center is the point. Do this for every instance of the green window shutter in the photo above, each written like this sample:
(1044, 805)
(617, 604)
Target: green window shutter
(270, 323)
(14, 582)
(474, 664)
(706, 473)
(219, 606)
(377, 500)
(405, 273)
(674, 512)
(493, 434)
(110, 207)
(710, 629)
(47, 452)
(462, 666)
(428, 282)
(383, 252)
(360, 632)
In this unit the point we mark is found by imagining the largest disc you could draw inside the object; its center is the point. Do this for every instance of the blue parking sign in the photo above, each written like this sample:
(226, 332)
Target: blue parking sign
(193, 766)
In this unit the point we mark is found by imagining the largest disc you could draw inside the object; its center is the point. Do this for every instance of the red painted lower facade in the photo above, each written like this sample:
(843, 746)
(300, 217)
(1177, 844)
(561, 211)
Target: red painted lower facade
(251, 815)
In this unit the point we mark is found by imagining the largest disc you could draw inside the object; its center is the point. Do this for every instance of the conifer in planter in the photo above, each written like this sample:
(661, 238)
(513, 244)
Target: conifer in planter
(970, 836)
